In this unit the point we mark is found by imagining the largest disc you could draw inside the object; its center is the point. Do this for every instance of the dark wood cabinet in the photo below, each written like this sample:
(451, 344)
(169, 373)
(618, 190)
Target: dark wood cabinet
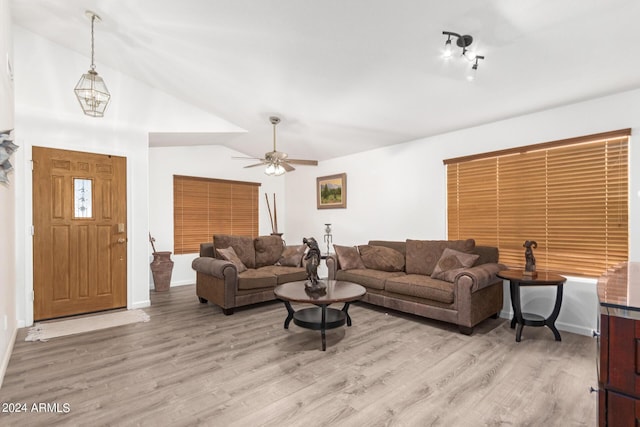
(619, 400)
(619, 347)
(622, 410)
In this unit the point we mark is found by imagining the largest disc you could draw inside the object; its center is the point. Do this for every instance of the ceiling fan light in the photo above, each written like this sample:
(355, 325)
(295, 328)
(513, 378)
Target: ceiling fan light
(279, 170)
(270, 170)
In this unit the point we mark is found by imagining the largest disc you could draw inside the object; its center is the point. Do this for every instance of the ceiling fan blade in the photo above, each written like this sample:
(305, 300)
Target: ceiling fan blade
(287, 166)
(247, 158)
(257, 164)
(303, 162)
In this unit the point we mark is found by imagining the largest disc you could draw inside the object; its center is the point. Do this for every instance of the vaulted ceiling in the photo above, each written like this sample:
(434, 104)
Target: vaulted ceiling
(351, 75)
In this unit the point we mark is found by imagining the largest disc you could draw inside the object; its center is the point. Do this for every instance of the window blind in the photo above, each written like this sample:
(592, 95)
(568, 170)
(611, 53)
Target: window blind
(203, 207)
(570, 196)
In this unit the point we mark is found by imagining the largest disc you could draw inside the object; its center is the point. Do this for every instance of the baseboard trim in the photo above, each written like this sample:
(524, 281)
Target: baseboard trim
(140, 304)
(182, 282)
(177, 283)
(574, 329)
(7, 356)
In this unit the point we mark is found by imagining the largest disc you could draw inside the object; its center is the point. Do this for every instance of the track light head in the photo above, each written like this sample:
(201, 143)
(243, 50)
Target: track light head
(474, 69)
(448, 49)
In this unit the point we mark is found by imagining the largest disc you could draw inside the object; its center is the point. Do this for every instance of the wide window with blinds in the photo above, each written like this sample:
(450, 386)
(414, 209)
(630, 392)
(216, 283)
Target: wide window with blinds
(203, 207)
(570, 196)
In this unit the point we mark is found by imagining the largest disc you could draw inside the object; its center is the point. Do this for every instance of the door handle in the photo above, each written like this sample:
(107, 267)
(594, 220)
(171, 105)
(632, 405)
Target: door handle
(122, 240)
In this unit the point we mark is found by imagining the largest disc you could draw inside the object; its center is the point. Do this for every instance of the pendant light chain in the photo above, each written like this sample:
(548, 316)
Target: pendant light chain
(93, 65)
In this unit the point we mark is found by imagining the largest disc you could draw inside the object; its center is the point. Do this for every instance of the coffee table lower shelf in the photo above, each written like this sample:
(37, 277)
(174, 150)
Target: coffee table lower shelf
(318, 318)
(311, 318)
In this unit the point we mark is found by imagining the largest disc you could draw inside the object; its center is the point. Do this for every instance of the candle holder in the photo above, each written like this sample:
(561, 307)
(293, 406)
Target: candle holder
(328, 238)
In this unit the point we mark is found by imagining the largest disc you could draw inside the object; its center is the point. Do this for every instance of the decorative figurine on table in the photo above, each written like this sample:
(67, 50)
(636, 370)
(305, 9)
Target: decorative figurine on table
(530, 260)
(313, 260)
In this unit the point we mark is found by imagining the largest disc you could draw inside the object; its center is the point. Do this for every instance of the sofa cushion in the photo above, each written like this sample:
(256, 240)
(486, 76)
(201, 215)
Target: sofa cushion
(268, 250)
(400, 246)
(285, 274)
(255, 279)
(292, 256)
(421, 286)
(381, 258)
(348, 257)
(374, 279)
(423, 255)
(243, 246)
(451, 263)
(230, 255)
(488, 254)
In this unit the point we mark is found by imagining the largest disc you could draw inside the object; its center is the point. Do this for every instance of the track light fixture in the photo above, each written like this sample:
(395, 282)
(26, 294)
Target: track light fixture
(463, 42)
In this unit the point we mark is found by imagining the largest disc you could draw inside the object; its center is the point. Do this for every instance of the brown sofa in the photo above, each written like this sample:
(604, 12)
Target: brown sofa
(453, 281)
(250, 272)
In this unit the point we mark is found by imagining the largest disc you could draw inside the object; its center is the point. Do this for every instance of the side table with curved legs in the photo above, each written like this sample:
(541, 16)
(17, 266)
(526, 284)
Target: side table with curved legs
(517, 279)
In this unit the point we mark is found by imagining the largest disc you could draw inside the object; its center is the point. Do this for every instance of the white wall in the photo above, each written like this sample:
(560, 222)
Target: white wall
(207, 162)
(48, 114)
(8, 322)
(399, 192)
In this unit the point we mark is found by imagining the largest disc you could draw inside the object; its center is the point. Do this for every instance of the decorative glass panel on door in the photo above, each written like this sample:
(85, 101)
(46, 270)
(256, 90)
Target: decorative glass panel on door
(82, 198)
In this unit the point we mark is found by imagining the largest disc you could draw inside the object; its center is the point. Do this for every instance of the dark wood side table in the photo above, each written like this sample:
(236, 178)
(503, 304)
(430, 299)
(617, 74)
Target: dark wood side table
(517, 279)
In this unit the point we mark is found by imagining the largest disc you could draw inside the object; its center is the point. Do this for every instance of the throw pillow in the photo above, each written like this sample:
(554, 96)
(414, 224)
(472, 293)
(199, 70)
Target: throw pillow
(423, 255)
(292, 256)
(268, 250)
(381, 258)
(451, 263)
(230, 255)
(348, 257)
(242, 245)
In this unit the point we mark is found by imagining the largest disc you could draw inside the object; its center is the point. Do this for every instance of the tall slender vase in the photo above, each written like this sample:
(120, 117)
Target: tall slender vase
(161, 268)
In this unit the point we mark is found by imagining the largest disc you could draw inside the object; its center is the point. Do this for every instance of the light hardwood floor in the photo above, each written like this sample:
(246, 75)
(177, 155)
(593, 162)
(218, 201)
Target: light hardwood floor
(191, 365)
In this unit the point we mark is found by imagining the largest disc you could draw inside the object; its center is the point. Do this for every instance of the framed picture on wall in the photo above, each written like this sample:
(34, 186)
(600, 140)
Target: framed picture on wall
(332, 191)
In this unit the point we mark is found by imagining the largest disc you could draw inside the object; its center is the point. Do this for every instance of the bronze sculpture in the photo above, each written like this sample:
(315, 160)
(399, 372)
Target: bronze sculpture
(313, 260)
(530, 260)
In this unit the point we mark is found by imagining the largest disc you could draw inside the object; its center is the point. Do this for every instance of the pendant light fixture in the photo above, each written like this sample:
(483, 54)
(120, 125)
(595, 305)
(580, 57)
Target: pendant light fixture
(91, 91)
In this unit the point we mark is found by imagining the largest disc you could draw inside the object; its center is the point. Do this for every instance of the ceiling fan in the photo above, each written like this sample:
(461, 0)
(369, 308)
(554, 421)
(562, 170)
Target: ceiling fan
(278, 162)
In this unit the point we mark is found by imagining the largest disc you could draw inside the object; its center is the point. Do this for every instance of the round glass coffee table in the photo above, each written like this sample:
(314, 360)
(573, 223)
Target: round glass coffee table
(320, 317)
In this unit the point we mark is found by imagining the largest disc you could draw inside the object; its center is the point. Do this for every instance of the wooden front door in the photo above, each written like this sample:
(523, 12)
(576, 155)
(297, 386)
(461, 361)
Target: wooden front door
(80, 239)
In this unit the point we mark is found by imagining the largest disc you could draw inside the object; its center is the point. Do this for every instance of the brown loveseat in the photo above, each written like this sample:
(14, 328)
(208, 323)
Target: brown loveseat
(248, 272)
(453, 281)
